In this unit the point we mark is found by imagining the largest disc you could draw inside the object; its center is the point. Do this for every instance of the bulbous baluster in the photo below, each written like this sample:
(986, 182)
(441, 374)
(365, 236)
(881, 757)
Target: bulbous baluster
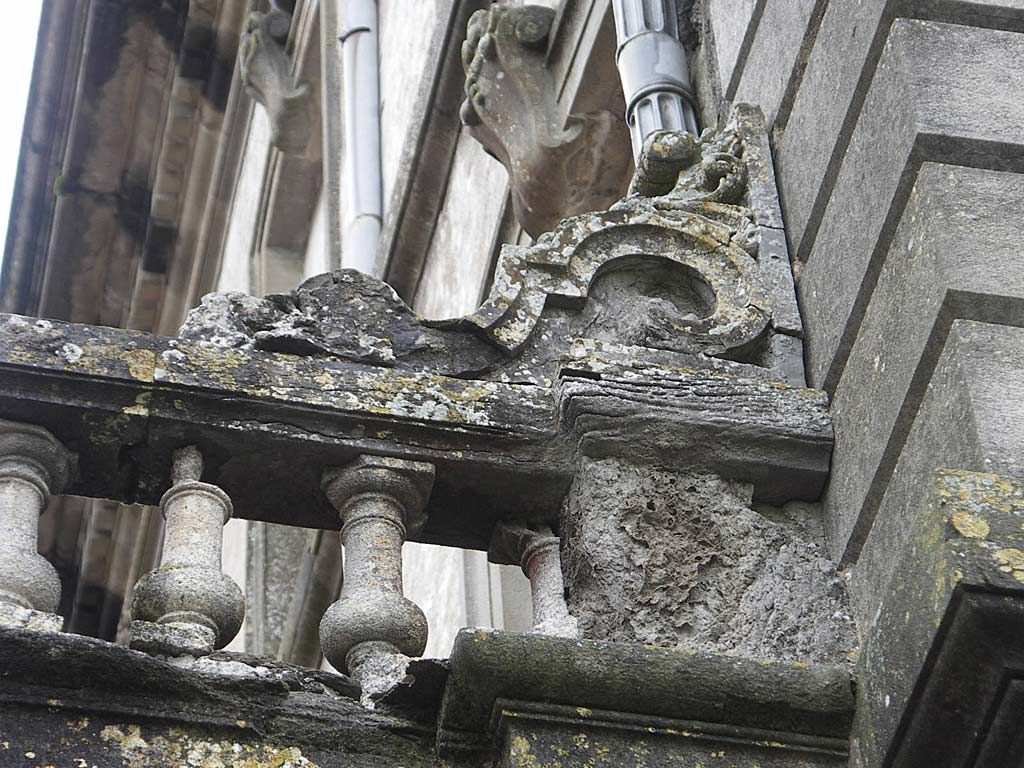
(33, 465)
(187, 605)
(373, 627)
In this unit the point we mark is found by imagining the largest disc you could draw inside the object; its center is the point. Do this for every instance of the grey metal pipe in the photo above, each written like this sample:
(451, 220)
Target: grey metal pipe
(653, 69)
(362, 169)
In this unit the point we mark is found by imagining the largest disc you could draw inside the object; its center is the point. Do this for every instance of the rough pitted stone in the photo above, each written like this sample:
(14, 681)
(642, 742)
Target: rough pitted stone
(172, 639)
(15, 617)
(680, 559)
(558, 166)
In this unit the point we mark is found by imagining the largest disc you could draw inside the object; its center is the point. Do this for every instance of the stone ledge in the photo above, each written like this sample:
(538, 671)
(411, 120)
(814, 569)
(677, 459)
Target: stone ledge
(66, 697)
(795, 702)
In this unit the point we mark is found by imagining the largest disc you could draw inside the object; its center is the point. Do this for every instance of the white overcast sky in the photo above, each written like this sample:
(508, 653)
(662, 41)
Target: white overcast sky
(21, 19)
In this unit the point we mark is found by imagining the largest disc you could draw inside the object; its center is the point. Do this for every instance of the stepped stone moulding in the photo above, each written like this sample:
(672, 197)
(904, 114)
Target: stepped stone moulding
(675, 266)
(558, 165)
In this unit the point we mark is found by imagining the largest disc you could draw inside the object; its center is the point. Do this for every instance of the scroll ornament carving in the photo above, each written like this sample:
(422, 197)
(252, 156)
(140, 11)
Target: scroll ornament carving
(585, 279)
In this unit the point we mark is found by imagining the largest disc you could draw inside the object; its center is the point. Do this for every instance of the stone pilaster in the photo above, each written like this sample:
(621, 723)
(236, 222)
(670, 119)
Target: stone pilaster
(187, 605)
(373, 626)
(33, 465)
(536, 550)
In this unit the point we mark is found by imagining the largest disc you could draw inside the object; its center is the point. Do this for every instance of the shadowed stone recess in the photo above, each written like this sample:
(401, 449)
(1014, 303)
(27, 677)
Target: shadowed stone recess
(680, 559)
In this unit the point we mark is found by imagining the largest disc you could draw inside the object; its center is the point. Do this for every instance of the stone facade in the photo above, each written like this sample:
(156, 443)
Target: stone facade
(739, 424)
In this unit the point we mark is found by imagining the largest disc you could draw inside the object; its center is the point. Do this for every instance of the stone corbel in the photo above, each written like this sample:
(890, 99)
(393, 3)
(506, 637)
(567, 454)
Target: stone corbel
(558, 165)
(266, 73)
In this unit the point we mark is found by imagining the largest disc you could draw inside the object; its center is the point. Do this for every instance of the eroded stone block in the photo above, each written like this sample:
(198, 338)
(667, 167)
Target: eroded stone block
(680, 559)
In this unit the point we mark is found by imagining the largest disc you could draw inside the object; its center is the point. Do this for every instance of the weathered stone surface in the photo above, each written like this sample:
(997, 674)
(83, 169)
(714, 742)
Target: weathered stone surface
(33, 464)
(372, 627)
(142, 397)
(777, 53)
(964, 421)
(685, 701)
(731, 23)
(680, 559)
(16, 617)
(558, 166)
(616, 404)
(954, 255)
(344, 314)
(189, 586)
(938, 676)
(832, 94)
(672, 267)
(924, 104)
(67, 697)
(535, 548)
(172, 639)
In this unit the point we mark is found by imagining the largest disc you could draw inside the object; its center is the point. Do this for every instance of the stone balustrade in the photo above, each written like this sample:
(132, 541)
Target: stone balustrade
(372, 627)
(536, 550)
(188, 605)
(33, 465)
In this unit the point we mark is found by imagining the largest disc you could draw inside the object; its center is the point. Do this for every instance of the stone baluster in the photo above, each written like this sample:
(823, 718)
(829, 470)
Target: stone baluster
(188, 605)
(33, 465)
(653, 70)
(372, 628)
(537, 552)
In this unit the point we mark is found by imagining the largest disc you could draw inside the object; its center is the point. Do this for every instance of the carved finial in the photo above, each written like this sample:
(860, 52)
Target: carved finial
(558, 165)
(267, 76)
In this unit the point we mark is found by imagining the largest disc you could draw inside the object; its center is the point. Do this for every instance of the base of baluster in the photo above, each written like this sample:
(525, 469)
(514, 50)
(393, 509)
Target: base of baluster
(17, 617)
(173, 639)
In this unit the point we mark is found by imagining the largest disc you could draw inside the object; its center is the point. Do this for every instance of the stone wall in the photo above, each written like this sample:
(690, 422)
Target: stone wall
(899, 153)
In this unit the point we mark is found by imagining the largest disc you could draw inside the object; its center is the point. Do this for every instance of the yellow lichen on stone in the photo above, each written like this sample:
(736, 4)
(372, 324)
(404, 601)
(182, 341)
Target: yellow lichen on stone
(1011, 560)
(141, 363)
(970, 526)
(177, 747)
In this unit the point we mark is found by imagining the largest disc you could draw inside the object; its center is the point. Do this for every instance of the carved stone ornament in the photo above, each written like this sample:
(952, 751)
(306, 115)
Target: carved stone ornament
(266, 73)
(672, 267)
(558, 166)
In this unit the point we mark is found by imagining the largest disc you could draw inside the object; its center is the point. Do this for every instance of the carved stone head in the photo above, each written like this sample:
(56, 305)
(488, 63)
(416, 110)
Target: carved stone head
(559, 164)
